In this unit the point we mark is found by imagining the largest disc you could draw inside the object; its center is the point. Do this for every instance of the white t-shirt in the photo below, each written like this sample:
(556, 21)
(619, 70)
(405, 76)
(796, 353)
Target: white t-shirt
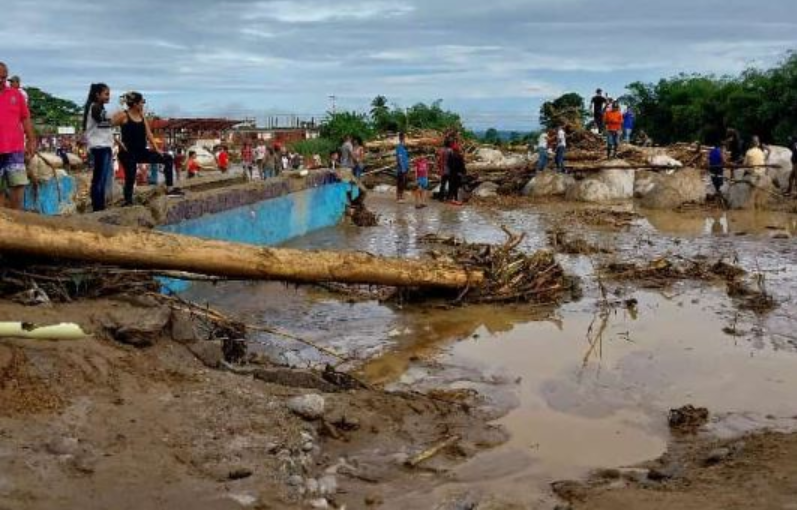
(99, 133)
(561, 138)
(542, 141)
(260, 153)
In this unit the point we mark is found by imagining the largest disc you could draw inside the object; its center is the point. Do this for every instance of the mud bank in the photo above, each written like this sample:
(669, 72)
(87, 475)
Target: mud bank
(97, 424)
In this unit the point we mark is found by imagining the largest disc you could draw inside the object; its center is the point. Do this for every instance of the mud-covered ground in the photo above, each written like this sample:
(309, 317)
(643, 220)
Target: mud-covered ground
(517, 397)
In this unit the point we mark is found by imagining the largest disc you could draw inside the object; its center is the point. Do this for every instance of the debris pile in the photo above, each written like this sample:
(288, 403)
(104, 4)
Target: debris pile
(561, 242)
(662, 272)
(43, 282)
(510, 273)
(687, 419)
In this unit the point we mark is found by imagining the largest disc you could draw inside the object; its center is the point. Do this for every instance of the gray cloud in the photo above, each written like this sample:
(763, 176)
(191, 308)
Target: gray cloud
(495, 61)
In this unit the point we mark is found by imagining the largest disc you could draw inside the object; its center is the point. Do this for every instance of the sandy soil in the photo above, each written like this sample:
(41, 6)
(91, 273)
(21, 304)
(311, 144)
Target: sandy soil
(94, 424)
(758, 471)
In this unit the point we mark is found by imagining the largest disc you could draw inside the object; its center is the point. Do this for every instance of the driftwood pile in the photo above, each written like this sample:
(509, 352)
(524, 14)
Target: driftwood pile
(511, 275)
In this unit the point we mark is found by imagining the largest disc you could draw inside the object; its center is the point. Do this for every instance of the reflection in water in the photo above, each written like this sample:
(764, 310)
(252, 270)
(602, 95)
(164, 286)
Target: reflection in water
(588, 389)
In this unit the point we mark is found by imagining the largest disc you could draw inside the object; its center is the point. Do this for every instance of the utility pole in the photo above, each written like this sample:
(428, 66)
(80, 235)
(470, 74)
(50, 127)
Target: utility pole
(334, 99)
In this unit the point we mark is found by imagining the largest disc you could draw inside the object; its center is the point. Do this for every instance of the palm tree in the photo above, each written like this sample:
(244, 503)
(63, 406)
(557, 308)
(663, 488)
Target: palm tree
(379, 107)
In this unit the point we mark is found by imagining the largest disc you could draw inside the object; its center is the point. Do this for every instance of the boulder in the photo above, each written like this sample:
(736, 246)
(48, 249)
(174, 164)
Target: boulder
(671, 191)
(486, 190)
(751, 191)
(548, 184)
(309, 407)
(664, 160)
(644, 182)
(607, 186)
(494, 157)
(780, 157)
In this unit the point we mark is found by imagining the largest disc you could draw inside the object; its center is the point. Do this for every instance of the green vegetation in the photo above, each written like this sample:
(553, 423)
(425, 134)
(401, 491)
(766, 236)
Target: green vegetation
(321, 146)
(51, 112)
(567, 109)
(347, 123)
(695, 107)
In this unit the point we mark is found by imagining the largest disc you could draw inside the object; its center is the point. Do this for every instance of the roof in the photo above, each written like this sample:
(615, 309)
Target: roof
(194, 124)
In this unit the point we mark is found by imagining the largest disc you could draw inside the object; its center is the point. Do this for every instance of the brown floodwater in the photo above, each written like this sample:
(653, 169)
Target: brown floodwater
(572, 400)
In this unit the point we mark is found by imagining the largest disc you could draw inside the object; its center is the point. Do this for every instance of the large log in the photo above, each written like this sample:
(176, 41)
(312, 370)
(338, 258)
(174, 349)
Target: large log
(84, 240)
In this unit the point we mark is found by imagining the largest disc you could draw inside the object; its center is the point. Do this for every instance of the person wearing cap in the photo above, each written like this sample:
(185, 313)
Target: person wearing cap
(16, 83)
(17, 142)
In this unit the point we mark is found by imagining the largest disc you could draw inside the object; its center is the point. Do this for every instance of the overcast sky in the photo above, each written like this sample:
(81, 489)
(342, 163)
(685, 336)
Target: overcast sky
(494, 61)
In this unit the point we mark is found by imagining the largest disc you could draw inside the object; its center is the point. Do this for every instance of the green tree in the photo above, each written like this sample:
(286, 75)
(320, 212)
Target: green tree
(50, 112)
(568, 109)
(341, 124)
(491, 136)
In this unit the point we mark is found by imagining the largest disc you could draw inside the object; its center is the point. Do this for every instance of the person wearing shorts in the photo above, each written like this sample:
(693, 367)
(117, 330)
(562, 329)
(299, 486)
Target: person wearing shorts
(422, 180)
(17, 141)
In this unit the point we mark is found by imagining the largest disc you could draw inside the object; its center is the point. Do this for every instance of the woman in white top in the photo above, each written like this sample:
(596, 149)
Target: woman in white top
(99, 138)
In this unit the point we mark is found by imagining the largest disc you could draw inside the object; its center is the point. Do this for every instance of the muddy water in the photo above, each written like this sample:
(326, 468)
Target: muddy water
(571, 398)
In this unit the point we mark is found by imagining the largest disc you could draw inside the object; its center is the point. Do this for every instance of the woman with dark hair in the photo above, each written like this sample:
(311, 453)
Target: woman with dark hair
(136, 135)
(99, 139)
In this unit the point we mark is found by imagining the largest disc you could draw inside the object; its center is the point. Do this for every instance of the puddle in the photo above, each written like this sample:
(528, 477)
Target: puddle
(570, 403)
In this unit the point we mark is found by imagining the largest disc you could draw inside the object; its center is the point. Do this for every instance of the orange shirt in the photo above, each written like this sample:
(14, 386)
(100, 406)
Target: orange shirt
(613, 120)
(193, 166)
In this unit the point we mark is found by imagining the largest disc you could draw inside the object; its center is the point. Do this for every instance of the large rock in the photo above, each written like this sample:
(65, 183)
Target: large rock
(494, 157)
(664, 160)
(310, 407)
(607, 186)
(670, 191)
(548, 184)
(644, 182)
(781, 158)
(486, 190)
(751, 191)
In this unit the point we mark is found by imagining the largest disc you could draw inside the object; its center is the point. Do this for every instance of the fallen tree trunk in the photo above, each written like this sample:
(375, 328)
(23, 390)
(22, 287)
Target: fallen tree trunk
(86, 241)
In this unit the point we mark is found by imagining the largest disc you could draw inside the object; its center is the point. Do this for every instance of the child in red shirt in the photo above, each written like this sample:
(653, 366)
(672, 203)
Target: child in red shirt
(422, 179)
(224, 160)
(193, 165)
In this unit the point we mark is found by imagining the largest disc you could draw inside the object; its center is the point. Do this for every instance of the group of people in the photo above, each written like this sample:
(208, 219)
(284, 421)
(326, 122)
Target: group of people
(609, 119)
(268, 161)
(731, 152)
(450, 165)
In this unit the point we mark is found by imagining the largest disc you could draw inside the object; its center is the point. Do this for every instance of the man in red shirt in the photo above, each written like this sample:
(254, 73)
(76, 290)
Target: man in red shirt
(15, 126)
(224, 159)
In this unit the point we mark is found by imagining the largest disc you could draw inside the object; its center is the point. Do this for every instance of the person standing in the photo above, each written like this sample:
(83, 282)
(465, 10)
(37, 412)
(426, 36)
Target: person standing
(422, 180)
(192, 166)
(347, 152)
(793, 176)
(457, 173)
(138, 145)
(561, 148)
(248, 159)
(444, 168)
(358, 157)
(17, 141)
(613, 120)
(598, 104)
(733, 144)
(716, 167)
(402, 167)
(629, 121)
(99, 138)
(223, 160)
(260, 157)
(16, 83)
(542, 151)
(755, 157)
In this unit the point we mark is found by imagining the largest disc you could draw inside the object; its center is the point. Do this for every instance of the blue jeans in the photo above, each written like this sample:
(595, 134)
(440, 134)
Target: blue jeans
(560, 158)
(628, 132)
(100, 176)
(542, 162)
(612, 142)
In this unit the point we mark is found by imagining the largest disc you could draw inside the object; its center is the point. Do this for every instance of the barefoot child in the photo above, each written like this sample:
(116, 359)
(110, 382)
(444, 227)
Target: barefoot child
(422, 179)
